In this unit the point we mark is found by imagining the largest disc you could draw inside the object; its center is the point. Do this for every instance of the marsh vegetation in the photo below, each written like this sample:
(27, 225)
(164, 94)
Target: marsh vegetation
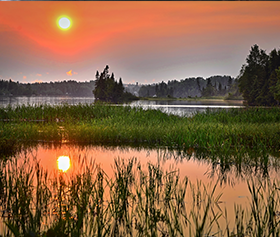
(138, 200)
(219, 130)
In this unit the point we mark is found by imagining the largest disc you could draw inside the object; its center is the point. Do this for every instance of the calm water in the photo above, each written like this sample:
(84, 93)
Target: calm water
(232, 178)
(4, 101)
(232, 181)
(187, 108)
(182, 108)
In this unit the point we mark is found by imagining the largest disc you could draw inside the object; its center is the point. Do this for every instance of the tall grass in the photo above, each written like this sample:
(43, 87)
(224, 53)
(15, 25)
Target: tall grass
(256, 128)
(135, 201)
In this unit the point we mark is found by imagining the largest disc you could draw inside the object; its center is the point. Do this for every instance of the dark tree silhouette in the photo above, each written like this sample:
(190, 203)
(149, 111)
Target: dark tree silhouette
(108, 90)
(258, 77)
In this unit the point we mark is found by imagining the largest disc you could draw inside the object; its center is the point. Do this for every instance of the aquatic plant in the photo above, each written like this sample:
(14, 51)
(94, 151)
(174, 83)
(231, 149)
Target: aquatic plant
(135, 201)
(214, 131)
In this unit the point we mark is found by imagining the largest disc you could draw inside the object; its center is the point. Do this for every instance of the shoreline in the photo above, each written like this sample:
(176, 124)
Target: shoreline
(192, 99)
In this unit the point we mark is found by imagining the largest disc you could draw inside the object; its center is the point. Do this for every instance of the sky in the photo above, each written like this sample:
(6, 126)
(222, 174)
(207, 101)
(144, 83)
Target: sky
(144, 42)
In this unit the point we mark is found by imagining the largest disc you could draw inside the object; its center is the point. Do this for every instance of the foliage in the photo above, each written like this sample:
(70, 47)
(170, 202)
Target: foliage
(190, 87)
(256, 128)
(63, 88)
(258, 77)
(276, 89)
(9, 87)
(108, 90)
(134, 201)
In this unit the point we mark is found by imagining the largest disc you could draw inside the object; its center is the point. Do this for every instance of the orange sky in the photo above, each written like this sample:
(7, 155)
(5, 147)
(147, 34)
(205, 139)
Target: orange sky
(140, 41)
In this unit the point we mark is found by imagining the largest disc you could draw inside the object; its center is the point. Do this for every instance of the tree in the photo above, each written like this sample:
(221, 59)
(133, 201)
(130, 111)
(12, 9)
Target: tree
(252, 78)
(220, 87)
(108, 90)
(277, 86)
(258, 78)
(198, 84)
(209, 90)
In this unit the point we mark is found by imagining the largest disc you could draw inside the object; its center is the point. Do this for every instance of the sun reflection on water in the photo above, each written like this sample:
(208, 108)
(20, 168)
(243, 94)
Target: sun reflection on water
(63, 163)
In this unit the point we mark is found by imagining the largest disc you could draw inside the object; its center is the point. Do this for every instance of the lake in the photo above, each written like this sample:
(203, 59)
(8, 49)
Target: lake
(177, 107)
(231, 172)
(202, 172)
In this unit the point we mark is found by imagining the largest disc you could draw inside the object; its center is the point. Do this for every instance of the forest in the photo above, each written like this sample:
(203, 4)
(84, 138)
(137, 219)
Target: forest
(63, 88)
(224, 86)
(259, 79)
(258, 83)
(186, 88)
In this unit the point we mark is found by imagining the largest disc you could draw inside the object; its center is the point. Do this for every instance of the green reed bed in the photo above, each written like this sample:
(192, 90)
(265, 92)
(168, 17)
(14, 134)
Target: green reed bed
(257, 128)
(136, 201)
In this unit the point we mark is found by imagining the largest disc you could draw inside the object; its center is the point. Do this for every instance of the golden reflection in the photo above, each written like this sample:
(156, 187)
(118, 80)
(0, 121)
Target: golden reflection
(63, 163)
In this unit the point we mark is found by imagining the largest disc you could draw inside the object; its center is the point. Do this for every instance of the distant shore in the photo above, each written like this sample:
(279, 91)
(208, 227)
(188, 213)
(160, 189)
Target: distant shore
(214, 98)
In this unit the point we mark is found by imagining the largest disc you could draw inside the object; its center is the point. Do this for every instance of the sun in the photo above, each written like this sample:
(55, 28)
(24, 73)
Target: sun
(63, 163)
(64, 22)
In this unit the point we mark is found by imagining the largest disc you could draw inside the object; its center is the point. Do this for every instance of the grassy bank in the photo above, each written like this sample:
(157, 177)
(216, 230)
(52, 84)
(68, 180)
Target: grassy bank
(254, 128)
(135, 201)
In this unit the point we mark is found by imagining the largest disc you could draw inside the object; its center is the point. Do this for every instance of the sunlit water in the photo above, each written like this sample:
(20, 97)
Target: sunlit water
(186, 108)
(182, 108)
(49, 100)
(232, 182)
(234, 188)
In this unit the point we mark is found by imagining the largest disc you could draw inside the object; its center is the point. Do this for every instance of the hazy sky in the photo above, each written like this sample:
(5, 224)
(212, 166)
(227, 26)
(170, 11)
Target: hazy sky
(141, 42)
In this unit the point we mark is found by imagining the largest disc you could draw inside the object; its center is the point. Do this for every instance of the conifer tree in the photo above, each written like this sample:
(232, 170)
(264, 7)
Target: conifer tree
(258, 77)
(109, 90)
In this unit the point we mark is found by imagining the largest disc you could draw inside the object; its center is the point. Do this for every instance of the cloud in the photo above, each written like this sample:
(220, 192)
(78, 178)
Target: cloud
(69, 73)
(38, 81)
(39, 75)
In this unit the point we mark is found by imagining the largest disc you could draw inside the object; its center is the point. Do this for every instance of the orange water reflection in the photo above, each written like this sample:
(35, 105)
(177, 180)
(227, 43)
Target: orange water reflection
(234, 192)
(63, 163)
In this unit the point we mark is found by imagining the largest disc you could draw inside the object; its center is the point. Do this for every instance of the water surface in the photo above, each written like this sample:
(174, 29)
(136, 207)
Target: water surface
(177, 107)
(232, 181)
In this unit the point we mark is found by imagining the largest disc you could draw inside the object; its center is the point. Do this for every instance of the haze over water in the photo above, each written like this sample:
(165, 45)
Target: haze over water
(182, 108)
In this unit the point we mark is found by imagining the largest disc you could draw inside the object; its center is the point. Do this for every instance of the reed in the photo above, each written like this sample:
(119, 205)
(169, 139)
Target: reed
(135, 201)
(254, 128)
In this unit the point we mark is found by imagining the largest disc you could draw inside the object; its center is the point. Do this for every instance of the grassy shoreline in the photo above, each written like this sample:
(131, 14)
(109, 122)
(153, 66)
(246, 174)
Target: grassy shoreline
(136, 202)
(253, 128)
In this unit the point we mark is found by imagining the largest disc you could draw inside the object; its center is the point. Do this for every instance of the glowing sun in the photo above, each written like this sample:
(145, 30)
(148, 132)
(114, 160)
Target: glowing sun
(64, 22)
(63, 163)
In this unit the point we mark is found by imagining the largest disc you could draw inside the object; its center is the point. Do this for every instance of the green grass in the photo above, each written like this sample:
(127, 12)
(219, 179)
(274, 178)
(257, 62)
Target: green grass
(214, 131)
(135, 201)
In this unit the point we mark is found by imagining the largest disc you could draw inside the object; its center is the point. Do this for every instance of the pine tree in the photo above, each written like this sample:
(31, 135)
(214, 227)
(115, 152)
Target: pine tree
(108, 90)
(253, 81)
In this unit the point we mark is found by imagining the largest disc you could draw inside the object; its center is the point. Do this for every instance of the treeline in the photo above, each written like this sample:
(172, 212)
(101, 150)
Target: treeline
(64, 88)
(193, 87)
(107, 89)
(259, 79)
(258, 84)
